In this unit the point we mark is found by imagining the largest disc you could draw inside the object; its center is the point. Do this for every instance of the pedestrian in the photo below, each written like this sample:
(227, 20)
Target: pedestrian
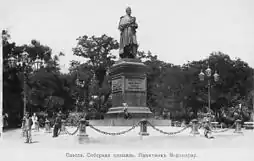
(125, 111)
(35, 122)
(126, 114)
(28, 128)
(57, 125)
(207, 129)
(5, 120)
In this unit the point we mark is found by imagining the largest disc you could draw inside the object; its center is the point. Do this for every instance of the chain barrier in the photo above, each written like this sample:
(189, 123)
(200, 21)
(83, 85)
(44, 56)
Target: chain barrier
(73, 124)
(168, 133)
(224, 130)
(113, 134)
(73, 133)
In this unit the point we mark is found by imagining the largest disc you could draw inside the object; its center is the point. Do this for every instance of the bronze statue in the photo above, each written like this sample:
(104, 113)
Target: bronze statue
(128, 39)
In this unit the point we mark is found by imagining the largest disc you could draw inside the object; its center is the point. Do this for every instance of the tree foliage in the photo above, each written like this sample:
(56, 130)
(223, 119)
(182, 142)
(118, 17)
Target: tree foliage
(173, 88)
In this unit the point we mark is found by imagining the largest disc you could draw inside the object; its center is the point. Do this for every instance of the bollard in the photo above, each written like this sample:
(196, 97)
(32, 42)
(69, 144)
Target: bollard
(62, 130)
(47, 126)
(23, 127)
(143, 128)
(238, 126)
(194, 127)
(82, 136)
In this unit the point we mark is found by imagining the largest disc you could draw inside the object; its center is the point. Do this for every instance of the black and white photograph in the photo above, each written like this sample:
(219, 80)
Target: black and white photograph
(127, 80)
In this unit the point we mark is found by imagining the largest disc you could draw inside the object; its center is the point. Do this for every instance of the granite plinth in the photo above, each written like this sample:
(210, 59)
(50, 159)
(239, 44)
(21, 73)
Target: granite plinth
(129, 85)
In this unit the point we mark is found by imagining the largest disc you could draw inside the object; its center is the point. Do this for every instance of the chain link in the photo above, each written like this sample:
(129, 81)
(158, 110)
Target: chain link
(167, 133)
(113, 134)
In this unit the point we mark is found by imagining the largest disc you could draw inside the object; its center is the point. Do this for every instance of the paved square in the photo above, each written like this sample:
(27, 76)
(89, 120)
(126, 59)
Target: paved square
(227, 145)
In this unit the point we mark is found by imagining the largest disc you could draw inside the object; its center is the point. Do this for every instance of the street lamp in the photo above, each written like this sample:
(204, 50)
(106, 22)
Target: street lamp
(208, 74)
(79, 84)
(25, 62)
(37, 64)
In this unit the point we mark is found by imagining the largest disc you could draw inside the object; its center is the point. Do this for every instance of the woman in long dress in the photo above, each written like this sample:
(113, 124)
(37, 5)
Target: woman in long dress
(35, 122)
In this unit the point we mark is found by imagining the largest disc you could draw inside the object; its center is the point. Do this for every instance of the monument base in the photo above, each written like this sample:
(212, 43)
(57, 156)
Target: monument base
(135, 112)
(129, 86)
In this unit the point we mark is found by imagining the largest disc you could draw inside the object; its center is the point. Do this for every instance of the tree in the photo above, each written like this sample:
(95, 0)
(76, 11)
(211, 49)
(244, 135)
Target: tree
(49, 89)
(41, 85)
(11, 88)
(234, 82)
(98, 52)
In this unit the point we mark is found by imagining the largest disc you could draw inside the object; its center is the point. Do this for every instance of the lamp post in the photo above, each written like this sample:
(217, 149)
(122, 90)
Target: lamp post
(1, 89)
(208, 74)
(25, 62)
(79, 84)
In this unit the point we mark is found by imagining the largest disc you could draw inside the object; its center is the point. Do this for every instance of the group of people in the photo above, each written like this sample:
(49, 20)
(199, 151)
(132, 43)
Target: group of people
(31, 123)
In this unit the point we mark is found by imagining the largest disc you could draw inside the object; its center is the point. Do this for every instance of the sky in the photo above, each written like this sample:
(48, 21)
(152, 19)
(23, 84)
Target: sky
(177, 31)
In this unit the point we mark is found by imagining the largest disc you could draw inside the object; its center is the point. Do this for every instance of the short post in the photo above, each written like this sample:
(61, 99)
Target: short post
(23, 127)
(82, 136)
(238, 126)
(143, 128)
(62, 127)
(194, 127)
(47, 126)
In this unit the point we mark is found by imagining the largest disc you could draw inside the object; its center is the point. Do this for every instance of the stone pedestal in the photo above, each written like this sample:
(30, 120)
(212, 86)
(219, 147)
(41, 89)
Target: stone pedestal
(82, 136)
(143, 128)
(238, 127)
(63, 129)
(129, 85)
(47, 127)
(194, 127)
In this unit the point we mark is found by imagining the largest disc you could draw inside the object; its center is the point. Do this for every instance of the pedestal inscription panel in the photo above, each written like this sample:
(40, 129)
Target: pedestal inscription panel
(117, 85)
(135, 84)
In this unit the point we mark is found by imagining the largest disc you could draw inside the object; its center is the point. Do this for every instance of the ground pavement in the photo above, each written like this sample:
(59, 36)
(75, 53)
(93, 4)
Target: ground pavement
(129, 146)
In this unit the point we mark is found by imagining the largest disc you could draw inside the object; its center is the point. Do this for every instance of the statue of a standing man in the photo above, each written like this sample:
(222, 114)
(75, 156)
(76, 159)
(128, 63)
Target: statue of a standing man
(128, 39)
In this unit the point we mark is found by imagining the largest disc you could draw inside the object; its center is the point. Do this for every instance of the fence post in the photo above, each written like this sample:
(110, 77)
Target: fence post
(194, 127)
(62, 130)
(47, 126)
(143, 128)
(82, 136)
(23, 127)
(238, 126)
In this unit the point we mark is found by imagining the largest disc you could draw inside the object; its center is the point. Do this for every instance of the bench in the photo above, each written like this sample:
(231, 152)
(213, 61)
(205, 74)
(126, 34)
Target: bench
(216, 125)
(176, 124)
(248, 125)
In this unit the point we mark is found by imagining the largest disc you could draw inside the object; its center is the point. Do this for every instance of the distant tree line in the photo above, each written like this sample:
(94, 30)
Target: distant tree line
(171, 88)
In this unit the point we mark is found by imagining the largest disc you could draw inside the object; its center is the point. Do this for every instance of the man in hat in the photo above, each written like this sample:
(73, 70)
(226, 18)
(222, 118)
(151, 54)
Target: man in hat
(28, 128)
(57, 125)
